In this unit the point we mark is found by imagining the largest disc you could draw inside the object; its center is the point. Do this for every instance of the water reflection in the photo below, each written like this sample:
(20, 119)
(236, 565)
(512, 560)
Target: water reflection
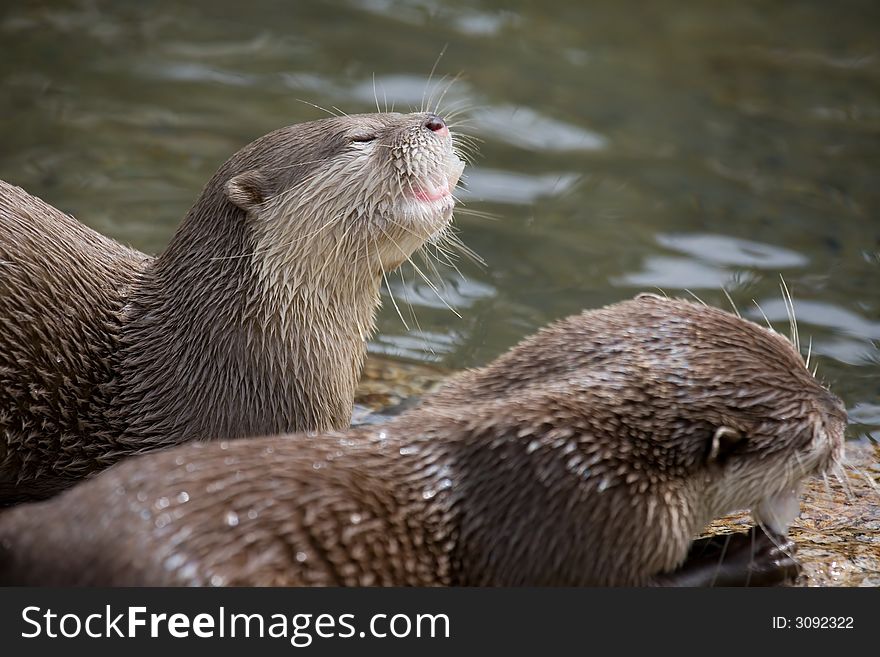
(510, 187)
(712, 263)
(416, 344)
(676, 273)
(526, 128)
(727, 250)
(451, 292)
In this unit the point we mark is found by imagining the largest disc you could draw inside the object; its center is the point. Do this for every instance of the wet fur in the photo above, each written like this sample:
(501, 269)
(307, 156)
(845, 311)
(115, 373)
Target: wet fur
(589, 454)
(251, 322)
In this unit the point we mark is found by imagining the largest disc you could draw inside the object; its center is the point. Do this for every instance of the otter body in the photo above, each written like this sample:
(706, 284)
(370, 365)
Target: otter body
(590, 454)
(252, 321)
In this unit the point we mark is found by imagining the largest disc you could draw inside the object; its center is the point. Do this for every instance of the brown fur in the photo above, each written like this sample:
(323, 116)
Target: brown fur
(586, 455)
(252, 321)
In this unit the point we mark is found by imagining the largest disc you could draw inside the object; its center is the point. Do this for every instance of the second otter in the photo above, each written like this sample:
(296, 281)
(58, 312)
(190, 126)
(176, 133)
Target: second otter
(251, 322)
(590, 454)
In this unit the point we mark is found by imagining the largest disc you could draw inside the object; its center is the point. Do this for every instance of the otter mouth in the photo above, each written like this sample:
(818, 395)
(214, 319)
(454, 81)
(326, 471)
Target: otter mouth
(431, 198)
(430, 191)
(430, 194)
(778, 511)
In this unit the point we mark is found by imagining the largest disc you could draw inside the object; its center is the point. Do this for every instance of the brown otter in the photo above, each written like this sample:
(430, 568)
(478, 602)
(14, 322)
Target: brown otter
(251, 322)
(590, 454)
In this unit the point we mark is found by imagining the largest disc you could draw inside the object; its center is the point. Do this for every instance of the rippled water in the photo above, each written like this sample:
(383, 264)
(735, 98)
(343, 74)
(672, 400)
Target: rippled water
(626, 146)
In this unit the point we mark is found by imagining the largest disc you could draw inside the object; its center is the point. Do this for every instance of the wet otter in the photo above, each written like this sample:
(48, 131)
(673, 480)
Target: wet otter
(590, 454)
(251, 322)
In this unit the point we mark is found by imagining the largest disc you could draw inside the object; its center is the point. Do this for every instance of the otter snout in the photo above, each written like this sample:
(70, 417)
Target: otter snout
(777, 511)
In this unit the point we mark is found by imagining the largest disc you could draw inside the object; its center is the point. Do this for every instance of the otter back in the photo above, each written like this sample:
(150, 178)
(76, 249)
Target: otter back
(62, 287)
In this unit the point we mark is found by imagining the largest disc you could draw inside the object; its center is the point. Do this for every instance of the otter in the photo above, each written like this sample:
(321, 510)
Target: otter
(252, 321)
(590, 454)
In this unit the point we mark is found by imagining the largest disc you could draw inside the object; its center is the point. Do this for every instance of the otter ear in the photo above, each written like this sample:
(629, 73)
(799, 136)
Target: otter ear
(247, 190)
(725, 440)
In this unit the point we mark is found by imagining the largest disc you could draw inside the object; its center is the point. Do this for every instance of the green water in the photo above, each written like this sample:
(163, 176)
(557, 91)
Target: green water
(626, 146)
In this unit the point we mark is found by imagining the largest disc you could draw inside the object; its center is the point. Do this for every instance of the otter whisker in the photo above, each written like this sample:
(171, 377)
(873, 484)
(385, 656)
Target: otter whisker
(841, 476)
(425, 344)
(424, 254)
(422, 274)
(323, 109)
(423, 106)
(391, 295)
(453, 240)
(697, 298)
(732, 304)
(440, 250)
(466, 152)
(448, 261)
(789, 309)
(462, 124)
(461, 136)
(375, 95)
(479, 214)
(457, 109)
(445, 91)
(764, 315)
(720, 560)
(464, 156)
(464, 140)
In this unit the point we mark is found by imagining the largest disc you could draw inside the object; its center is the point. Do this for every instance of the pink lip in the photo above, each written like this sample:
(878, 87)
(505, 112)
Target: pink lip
(434, 195)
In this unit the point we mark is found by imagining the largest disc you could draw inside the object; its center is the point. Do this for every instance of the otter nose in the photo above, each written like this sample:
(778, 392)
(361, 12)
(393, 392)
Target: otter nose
(437, 125)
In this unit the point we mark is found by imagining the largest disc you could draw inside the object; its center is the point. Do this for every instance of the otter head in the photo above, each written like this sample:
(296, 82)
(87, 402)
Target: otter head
(632, 427)
(735, 409)
(362, 190)
(771, 422)
(270, 287)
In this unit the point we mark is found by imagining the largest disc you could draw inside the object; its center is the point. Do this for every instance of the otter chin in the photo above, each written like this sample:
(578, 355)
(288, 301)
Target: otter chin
(591, 454)
(252, 321)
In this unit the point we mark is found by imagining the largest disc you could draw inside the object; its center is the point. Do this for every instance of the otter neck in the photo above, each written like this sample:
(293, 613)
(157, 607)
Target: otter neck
(211, 351)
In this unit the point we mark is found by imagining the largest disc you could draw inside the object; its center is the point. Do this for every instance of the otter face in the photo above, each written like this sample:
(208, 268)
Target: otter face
(766, 421)
(783, 427)
(366, 189)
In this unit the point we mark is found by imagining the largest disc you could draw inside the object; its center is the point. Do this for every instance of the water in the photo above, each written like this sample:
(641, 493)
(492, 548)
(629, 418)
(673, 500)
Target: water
(627, 146)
